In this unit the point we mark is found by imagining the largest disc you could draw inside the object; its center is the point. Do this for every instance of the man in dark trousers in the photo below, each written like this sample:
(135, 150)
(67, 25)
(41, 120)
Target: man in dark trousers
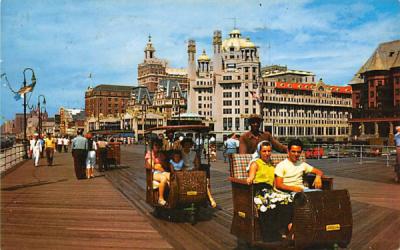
(79, 152)
(249, 140)
(102, 146)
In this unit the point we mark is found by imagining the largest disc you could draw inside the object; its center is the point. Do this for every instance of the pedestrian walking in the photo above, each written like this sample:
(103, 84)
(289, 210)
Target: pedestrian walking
(41, 140)
(50, 145)
(59, 144)
(102, 148)
(36, 148)
(65, 144)
(31, 140)
(231, 146)
(91, 157)
(79, 152)
(397, 144)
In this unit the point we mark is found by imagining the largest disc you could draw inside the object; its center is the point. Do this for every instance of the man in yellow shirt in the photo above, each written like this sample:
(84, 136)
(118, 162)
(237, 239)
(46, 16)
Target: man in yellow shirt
(50, 145)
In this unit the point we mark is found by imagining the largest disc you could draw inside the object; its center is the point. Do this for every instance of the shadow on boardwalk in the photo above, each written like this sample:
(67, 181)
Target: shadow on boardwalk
(47, 208)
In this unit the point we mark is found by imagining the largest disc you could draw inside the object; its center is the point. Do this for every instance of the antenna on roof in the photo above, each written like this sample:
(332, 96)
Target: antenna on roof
(234, 21)
(90, 76)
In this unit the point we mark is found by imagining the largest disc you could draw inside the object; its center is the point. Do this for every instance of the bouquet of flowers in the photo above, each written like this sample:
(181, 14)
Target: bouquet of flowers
(269, 199)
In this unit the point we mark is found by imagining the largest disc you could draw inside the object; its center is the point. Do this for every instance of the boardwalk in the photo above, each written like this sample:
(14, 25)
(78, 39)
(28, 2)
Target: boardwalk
(47, 208)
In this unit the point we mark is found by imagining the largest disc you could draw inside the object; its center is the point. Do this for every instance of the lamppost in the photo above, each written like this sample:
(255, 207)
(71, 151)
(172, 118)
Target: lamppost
(33, 80)
(40, 114)
(144, 111)
(41, 122)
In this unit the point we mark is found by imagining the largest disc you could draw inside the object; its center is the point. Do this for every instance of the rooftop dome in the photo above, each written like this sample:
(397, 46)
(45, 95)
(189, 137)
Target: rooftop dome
(203, 57)
(236, 41)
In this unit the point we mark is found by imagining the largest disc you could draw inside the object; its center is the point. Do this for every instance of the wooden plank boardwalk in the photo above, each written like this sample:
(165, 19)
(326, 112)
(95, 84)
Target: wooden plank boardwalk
(375, 204)
(47, 208)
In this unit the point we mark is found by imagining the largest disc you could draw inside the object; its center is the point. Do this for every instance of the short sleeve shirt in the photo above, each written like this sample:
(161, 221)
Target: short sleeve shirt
(50, 143)
(397, 139)
(292, 173)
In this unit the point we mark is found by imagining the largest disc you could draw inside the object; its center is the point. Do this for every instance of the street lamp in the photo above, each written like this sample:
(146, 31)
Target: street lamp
(33, 80)
(144, 111)
(40, 115)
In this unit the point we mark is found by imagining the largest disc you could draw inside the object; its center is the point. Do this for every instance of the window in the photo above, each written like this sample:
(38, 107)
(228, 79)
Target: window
(227, 111)
(237, 123)
(227, 103)
(246, 102)
(246, 94)
(200, 98)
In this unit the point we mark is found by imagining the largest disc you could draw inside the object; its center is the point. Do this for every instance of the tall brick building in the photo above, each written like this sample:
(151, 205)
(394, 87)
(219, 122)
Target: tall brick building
(107, 100)
(376, 94)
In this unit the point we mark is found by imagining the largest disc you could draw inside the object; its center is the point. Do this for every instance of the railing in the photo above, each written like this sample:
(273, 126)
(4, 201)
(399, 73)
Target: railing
(11, 156)
(360, 152)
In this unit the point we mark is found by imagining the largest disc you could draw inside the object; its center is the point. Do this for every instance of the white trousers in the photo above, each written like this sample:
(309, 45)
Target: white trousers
(35, 157)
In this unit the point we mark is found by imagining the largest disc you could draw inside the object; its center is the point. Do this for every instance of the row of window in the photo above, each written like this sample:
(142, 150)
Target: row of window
(206, 98)
(309, 100)
(309, 131)
(308, 114)
(204, 105)
(305, 122)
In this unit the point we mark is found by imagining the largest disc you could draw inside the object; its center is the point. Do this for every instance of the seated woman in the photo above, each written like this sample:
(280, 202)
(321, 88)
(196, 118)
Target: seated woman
(272, 206)
(154, 159)
(192, 161)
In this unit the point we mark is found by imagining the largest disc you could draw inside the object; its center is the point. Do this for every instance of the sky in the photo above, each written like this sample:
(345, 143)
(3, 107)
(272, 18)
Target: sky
(65, 41)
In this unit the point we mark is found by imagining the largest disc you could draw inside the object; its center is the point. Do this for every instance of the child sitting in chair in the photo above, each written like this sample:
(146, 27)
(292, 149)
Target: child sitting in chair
(154, 159)
(176, 161)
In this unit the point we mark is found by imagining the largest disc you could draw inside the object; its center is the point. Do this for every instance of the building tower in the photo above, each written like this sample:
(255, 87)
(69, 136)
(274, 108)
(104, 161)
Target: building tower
(191, 75)
(217, 59)
(152, 69)
(149, 51)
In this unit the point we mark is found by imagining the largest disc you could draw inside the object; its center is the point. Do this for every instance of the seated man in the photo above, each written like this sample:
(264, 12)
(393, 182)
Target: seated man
(289, 173)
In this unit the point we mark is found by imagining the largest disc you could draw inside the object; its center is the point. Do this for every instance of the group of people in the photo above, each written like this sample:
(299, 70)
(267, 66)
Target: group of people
(40, 144)
(275, 183)
(168, 155)
(84, 150)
